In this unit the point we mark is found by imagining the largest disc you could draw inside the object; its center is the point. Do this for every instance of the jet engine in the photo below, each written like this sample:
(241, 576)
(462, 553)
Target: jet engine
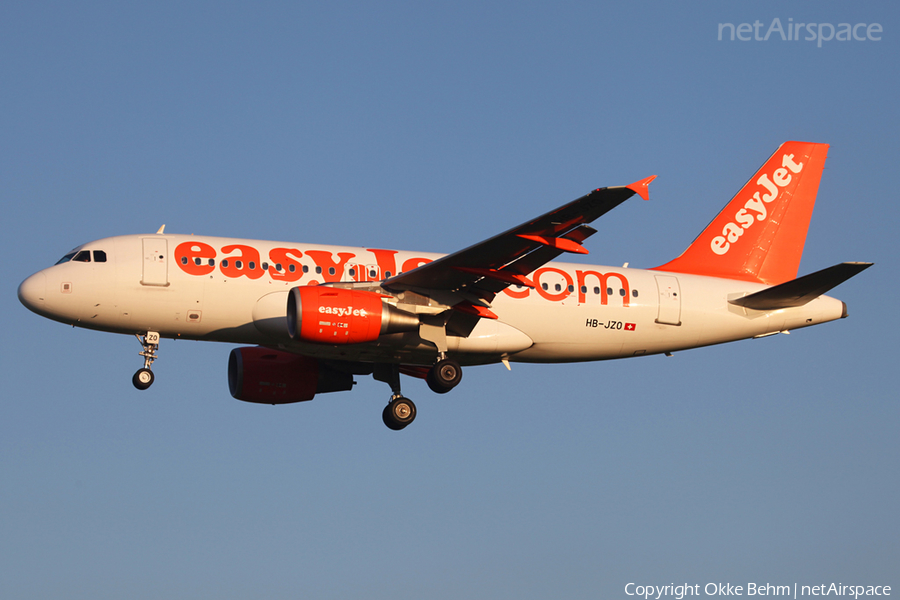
(329, 315)
(264, 376)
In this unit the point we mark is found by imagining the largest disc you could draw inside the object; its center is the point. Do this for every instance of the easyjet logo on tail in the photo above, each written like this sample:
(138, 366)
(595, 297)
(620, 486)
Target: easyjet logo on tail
(755, 208)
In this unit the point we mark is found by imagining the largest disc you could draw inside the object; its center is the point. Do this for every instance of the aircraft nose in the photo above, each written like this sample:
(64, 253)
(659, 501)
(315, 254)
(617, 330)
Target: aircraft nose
(32, 292)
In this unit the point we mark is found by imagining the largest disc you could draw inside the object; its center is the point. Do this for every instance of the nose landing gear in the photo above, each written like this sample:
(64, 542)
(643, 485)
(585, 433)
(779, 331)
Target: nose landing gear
(143, 378)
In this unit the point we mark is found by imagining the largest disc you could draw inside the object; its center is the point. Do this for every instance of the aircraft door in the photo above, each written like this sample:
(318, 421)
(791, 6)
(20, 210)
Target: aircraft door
(155, 262)
(669, 300)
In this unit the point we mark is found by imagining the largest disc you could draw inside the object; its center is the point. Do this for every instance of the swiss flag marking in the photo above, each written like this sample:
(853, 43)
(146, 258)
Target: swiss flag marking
(629, 326)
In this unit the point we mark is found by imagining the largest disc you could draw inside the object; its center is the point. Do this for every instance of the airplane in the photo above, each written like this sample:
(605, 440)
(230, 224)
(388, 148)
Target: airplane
(311, 317)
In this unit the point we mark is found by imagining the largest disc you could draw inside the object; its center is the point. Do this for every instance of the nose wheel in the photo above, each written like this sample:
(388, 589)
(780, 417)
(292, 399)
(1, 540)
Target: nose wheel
(143, 378)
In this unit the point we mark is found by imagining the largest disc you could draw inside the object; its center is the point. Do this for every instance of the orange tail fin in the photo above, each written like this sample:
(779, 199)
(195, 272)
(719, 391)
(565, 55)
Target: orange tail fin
(759, 235)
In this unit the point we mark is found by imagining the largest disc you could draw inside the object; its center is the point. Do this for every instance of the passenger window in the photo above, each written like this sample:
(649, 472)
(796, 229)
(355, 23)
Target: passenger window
(597, 290)
(224, 263)
(252, 265)
(331, 270)
(571, 288)
(634, 293)
(584, 289)
(609, 291)
(352, 272)
(196, 260)
(99, 256)
(212, 262)
(305, 269)
(318, 270)
(83, 256)
(622, 292)
(545, 286)
(387, 275)
(292, 268)
(184, 260)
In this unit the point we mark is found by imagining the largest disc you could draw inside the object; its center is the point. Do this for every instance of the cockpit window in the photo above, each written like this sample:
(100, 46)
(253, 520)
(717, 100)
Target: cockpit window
(83, 256)
(66, 258)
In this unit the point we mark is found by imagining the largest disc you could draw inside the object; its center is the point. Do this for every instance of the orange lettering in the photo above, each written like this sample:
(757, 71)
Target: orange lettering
(245, 264)
(412, 263)
(604, 283)
(559, 296)
(331, 270)
(194, 258)
(291, 270)
(387, 263)
(518, 294)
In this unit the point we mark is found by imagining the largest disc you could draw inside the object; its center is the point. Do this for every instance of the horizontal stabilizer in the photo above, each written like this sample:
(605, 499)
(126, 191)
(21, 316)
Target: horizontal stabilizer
(798, 292)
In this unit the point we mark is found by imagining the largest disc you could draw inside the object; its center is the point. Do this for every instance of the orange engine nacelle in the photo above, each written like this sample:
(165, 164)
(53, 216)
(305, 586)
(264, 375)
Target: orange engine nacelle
(257, 374)
(328, 315)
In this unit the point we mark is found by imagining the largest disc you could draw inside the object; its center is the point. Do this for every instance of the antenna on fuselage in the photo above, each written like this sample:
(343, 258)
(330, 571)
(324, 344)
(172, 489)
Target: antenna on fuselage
(162, 229)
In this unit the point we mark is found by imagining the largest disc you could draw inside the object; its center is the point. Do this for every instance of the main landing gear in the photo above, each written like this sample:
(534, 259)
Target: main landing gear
(400, 411)
(143, 378)
(444, 375)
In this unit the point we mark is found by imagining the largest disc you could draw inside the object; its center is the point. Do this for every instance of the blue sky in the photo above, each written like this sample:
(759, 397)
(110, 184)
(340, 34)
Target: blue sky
(430, 126)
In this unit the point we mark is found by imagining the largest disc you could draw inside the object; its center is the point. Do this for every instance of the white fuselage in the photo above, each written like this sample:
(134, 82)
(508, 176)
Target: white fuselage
(233, 290)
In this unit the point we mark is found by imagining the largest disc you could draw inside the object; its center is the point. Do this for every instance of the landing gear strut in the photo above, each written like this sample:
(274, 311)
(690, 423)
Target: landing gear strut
(143, 378)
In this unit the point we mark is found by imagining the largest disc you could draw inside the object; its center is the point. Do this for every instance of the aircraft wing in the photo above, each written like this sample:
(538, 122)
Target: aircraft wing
(490, 266)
